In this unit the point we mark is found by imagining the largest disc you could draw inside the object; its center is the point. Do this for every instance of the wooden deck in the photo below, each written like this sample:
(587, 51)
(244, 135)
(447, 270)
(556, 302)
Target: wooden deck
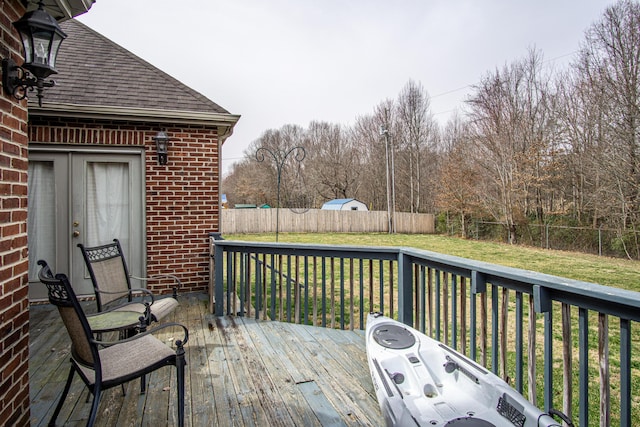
(240, 372)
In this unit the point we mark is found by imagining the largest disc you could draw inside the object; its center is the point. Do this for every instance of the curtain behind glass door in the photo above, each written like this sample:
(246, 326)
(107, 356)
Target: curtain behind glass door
(107, 203)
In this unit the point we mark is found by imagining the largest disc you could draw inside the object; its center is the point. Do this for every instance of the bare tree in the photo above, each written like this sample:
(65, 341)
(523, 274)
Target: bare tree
(333, 163)
(610, 61)
(510, 120)
(416, 130)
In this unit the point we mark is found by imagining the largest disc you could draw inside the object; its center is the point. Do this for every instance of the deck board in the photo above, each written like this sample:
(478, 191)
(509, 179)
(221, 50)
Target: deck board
(240, 372)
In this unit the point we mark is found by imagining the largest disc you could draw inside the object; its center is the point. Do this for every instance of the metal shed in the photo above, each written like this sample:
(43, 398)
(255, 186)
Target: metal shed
(344, 205)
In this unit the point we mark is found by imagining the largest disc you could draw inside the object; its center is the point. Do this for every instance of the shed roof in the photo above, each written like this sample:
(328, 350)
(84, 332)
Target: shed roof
(338, 201)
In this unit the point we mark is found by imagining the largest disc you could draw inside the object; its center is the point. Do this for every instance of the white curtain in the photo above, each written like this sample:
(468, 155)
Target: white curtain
(107, 203)
(41, 216)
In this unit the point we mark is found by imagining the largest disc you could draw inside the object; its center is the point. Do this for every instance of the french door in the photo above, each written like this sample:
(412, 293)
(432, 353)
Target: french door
(86, 197)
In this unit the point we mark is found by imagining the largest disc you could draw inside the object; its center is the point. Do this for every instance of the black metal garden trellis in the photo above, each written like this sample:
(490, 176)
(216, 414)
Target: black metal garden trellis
(279, 157)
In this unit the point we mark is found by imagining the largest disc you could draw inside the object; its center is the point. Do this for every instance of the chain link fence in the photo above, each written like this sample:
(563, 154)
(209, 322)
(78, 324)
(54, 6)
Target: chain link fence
(601, 241)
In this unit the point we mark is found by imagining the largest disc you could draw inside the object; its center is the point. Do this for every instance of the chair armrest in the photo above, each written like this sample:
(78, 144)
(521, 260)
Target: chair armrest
(131, 292)
(179, 343)
(177, 282)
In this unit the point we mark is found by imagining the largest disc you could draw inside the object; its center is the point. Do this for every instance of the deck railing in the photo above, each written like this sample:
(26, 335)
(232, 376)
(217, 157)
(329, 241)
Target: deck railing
(562, 343)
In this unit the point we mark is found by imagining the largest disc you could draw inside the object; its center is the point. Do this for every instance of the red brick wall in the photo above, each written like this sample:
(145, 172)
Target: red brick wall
(181, 196)
(14, 302)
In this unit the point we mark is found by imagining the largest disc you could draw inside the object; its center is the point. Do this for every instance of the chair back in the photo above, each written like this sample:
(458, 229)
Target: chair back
(61, 295)
(108, 271)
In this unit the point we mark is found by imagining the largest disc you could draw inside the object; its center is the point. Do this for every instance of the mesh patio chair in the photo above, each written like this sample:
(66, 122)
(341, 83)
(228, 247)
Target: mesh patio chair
(102, 365)
(112, 283)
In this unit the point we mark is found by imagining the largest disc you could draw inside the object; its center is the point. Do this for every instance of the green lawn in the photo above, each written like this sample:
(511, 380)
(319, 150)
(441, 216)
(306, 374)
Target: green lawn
(620, 273)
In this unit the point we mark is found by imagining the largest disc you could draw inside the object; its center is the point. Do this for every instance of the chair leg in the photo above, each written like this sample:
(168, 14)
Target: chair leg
(97, 391)
(180, 364)
(67, 386)
(143, 384)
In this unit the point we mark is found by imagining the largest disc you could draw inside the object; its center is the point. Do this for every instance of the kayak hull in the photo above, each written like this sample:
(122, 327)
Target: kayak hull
(421, 382)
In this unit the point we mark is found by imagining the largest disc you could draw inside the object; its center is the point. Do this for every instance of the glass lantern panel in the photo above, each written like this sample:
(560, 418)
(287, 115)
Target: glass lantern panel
(26, 44)
(41, 40)
(55, 45)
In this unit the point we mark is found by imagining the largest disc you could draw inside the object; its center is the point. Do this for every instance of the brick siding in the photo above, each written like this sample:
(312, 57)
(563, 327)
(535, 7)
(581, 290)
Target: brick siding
(14, 299)
(181, 197)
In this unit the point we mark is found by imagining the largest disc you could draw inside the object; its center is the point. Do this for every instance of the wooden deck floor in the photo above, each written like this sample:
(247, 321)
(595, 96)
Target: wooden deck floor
(241, 372)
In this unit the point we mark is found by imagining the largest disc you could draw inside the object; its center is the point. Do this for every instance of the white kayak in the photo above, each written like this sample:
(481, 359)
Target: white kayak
(421, 382)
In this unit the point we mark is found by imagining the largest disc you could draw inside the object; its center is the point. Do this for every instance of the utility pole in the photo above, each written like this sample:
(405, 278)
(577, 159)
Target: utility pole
(385, 132)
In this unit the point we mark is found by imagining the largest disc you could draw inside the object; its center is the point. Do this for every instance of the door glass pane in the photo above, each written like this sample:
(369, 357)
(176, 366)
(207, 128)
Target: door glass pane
(41, 216)
(107, 202)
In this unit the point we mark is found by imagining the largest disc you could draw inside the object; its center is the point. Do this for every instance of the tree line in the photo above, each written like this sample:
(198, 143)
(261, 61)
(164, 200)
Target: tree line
(530, 145)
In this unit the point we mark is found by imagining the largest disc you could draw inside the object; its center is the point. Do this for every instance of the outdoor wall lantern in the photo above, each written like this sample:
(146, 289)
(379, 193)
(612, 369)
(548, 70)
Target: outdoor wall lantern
(41, 38)
(162, 146)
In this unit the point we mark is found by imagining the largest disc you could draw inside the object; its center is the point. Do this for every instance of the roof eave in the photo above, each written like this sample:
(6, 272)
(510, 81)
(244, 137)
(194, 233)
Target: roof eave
(62, 10)
(107, 112)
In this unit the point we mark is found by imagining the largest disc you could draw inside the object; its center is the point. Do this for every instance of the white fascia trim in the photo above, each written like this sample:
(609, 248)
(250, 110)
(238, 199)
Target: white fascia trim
(133, 114)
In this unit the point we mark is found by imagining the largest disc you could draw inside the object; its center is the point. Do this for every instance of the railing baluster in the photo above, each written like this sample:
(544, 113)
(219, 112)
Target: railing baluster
(445, 306)
(306, 290)
(296, 289)
(351, 295)
(438, 308)
(625, 373)
(280, 290)
(494, 329)
(341, 283)
(391, 291)
(273, 290)
(287, 283)
(361, 272)
(381, 275)
(583, 344)
(332, 291)
(484, 331)
(371, 295)
(423, 296)
(324, 291)
(603, 359)
(567, 360)
(259, 284)
(463, 315)
(430, 309)
(548, 360)
(315, 290)
(519, 343)
(454, 311)
(531, 368)
(504, 314)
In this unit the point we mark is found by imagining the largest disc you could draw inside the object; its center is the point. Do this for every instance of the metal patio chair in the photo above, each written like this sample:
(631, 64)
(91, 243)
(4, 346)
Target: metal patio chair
(102, 365)
(112, 283)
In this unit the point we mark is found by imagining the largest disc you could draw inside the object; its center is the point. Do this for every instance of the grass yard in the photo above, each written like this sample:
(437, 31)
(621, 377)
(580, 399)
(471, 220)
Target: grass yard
(619, 273)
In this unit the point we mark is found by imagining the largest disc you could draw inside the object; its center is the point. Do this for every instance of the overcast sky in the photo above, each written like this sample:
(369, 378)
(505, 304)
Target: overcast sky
(277, 62)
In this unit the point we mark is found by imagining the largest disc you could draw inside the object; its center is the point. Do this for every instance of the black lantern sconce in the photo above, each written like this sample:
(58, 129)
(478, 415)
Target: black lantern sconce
(162, 146)
(41, 38)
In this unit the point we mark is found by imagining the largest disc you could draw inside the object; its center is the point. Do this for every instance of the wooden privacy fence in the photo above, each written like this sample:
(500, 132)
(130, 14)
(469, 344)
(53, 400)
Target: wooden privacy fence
(562, 343)
(323, 221)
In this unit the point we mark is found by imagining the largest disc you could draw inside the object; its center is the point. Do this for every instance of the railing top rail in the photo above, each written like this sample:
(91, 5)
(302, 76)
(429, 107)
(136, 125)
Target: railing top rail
(346, 251)
(545, 287)
(620, 302)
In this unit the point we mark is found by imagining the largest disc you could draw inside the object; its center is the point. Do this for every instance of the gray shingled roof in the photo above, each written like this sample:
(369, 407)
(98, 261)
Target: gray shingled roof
(94, 71)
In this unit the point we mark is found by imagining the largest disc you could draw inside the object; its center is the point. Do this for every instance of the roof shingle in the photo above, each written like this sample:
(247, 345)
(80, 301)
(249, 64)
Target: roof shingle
(95, 71)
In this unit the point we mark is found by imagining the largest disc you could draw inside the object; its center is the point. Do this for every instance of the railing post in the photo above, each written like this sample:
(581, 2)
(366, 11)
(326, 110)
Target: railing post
(218, 262)
(405, 289)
